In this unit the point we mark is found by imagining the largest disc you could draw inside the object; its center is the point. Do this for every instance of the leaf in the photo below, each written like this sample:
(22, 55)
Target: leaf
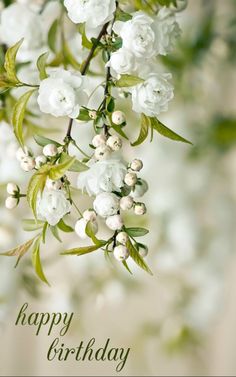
(145, 124)
(57, 171)
(77, 166)
(55, 233)
(19, 251)
(81, 250)
(18, 115)
(36, 185)
(41, 65)
(128, 80)
(123, 16)
(84, 115)
(42, 141)
(85, 41)
(125, 264)
(110, 104)
(136, 232)
(90, 233)
(52, 35)
(10, 62)
(31, 225)
(119, 130)
(137, 257)
(64, 227)
(36, 261)
(70, 57)
(165, 131)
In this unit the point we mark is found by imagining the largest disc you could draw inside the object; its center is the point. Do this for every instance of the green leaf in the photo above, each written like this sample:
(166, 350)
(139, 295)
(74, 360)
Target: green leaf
(55, 233)
(145, 124)
(128, 80)
(119, 130)
(85, 41)
(41, 65)
(57, 171)
(77, 166)
(36, 185)
(90, 234)
(137, 257)
(165, 131)
(36, 261)
(125, 264)
(136, 232)
(42, 141)
(18, 115)
(19, 251)
(10, 62)
(122, 16)
(81, 250)
(52, 36)
(110, 104)
(64, 227)
(84, 115)
(70, 57)
(44, 232)
(31, 225)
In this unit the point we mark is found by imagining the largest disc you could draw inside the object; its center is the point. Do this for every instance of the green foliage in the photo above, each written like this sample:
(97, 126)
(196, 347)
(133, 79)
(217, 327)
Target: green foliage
(52, 36)
(10, 63)
(64, 227)
(30, 225)
(42, 141)
(36, 186)
(165, 131)
(128, 80)
(19, 251)
(36, 261)
(41, 65)
(76, 166)
(137, 257)
(136, 232)
(145, 125)
(81, 250)
(57, 171)
(90, 234)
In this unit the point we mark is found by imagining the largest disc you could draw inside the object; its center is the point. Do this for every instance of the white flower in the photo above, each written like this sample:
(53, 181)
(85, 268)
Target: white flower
(106, 175)
(114, 142)
(152, 96)
(118, 117)
(102, 152)
(121, 253)
(27, 164)
(11, 202)
(166, 29)
(122, 61)
(140, 189)
(99, 140)
(136, 165)
(52, 206)
(140, 209)
(122, 238)
(80, 228)
(114, 222)
(94, 12)
(22, 153)
(131, 179)
(106, 204)
(62, 93)
(126, 202)
(12, 188)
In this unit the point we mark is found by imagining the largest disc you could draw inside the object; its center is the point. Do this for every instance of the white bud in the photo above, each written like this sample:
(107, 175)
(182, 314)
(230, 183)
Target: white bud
(136, 165)
(140, 209)
(106, 204)
(11, 202)
(93, 114)
(143, 252)
(126, 202)
(114, 222)
(121, 253)
(90, 215)
(80, 228)
(28, 164)
(53, 185)
(140, 189)
(131, 179)
(40, 160)
(22, 153)
(118, 117)
(114, 142)
(12, 188)
(102, 152)
(50, 150)
(122, 238)
(99, 140)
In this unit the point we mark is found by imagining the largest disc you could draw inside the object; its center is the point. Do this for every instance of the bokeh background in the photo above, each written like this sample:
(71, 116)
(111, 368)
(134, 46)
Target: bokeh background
(182, 321)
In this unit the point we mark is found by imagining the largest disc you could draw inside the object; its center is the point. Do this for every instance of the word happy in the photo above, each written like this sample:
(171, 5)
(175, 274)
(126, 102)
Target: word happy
(85, 351)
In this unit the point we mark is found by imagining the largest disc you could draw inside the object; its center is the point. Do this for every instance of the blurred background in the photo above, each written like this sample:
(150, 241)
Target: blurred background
(182, 321)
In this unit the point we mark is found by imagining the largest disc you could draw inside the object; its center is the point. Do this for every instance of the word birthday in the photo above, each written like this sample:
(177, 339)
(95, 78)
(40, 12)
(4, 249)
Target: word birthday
(84, 351)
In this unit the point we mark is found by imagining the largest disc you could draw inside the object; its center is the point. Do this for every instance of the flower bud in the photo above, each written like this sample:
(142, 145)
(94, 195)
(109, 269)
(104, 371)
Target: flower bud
(122, 238)
(93, 114)
(114, 142)
(53, 185)
(126, 203)
(131, 179)
(106, 204)
(114, 222)
(11, 202)
(140, 189)
(102, 152)
(40, 160)
(22, 153)
(143, 252)
(28, 164)
(140, 209)
(90, 215)
(12, 188)
(80, 228)
(50, 150)
(121, 253)
(136, 165)
(118, 117)
(99, 140)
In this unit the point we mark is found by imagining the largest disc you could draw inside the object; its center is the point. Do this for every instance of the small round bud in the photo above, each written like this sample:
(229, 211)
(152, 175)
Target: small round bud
(99, 140)
(126, 202)
(121, 253)
(28, 164)
(102, 152)
(93, 114)
(80, 228)
(143, 252)
(114, 222)
(122, 238)
(140, 209)
(53, 185)
(11, 202)
(140, 189)
(22, 153)
(136, 165)
(114, 142)
(90, 215)
(131, 179)
(50, 150)
(40, 160)
(118, 117)
(12, 188)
